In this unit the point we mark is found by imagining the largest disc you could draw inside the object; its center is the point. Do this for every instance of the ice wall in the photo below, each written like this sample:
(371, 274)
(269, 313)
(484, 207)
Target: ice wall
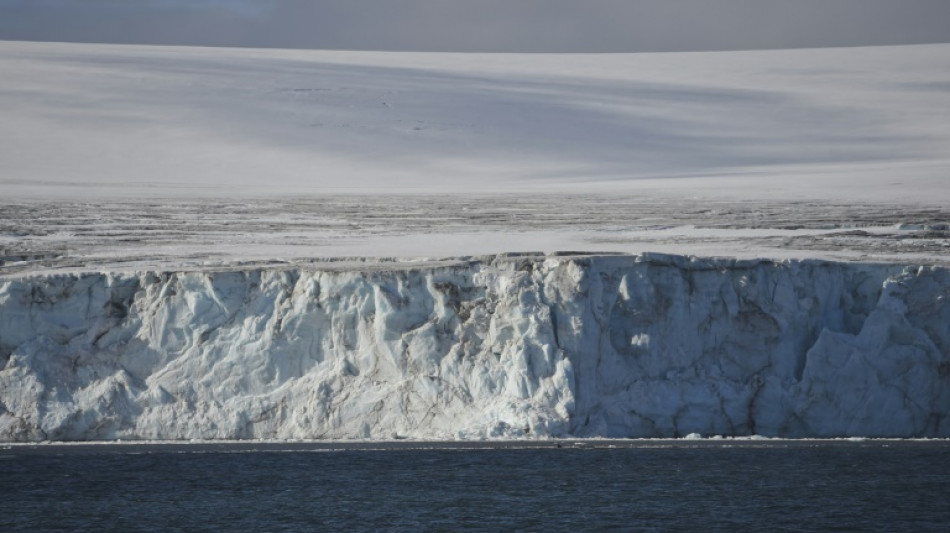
(534, 346)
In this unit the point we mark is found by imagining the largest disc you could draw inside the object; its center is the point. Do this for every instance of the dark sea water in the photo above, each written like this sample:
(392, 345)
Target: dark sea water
(796, 487)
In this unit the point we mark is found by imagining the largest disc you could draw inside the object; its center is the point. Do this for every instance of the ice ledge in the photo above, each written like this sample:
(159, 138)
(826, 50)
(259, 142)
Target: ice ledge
(502, 346)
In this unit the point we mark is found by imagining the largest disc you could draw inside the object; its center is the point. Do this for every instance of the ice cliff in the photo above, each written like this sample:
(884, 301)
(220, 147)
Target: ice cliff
(502, 346)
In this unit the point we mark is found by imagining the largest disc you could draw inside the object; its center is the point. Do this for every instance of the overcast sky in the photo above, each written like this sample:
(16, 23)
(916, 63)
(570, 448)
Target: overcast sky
(482, 25)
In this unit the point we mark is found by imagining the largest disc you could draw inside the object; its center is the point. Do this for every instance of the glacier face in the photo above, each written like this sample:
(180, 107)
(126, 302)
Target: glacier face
(495, 347)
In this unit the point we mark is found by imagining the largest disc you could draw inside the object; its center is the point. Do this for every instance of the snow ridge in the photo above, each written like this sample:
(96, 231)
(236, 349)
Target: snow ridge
(504, 346)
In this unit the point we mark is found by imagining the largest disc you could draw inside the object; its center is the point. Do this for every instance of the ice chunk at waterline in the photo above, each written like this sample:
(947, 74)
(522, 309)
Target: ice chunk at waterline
(502, 346)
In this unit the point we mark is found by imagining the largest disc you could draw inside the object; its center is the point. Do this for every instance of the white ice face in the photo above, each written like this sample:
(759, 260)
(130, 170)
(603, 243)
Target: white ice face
(502, 347)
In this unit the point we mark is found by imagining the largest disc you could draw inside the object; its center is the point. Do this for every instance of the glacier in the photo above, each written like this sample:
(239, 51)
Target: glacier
(501, 346)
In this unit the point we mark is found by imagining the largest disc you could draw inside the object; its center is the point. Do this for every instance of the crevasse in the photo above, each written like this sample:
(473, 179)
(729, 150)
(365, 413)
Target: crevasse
(497, 347)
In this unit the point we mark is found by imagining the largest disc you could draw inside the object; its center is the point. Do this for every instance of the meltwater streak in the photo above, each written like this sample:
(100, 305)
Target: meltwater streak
(800, 486)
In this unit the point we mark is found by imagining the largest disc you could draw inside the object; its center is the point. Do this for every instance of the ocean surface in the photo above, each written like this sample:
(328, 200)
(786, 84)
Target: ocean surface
(643, 486)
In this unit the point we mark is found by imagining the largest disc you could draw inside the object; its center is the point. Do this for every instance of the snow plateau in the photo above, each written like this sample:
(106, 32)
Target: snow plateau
(494, 347)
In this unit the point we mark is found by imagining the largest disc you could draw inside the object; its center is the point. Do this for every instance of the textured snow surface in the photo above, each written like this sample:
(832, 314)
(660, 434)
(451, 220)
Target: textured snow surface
(496, 347)
(56, 236)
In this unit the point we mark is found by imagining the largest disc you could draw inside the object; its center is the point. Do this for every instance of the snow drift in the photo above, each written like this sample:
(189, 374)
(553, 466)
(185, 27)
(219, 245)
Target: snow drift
(504, 346)
(834, 125)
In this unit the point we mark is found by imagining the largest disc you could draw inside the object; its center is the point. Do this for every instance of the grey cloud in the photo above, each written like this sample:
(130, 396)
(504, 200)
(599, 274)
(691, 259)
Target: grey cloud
(247, 6)
(484, 25)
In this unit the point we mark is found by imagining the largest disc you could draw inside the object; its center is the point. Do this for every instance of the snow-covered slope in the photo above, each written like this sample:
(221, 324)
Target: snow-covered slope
(138, 121)
(498, 346)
